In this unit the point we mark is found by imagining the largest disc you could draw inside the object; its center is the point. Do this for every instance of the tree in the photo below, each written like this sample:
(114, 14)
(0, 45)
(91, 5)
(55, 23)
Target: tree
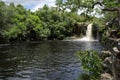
(2, 14)
(88, 5)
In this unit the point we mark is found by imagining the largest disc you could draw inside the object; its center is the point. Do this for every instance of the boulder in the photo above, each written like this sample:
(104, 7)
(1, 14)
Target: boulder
(106, 76)
(117, 52)
(115, 49)
(107, 65)
(105, 54)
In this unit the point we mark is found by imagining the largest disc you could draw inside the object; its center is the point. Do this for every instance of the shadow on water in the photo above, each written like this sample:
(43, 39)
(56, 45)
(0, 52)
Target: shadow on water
(45, 60)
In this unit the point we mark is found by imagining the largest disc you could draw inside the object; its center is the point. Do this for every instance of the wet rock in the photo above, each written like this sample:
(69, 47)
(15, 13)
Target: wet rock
(115, 49)
(106, 76)
(107, 64)
(105, 54)
(80, 29)
(117, 52)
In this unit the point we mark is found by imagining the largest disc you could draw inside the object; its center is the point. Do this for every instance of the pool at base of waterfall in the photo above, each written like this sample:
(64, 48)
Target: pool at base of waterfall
(43, 60)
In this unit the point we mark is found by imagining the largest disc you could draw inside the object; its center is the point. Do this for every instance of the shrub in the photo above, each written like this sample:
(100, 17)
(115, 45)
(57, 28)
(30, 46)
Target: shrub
(91, 63)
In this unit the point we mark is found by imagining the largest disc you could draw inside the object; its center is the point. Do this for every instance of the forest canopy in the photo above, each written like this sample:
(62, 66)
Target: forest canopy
(18, 24)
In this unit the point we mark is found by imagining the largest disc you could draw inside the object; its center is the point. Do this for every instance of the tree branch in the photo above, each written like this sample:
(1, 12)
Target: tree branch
(110, 9)
(97, 3)
(113, 9)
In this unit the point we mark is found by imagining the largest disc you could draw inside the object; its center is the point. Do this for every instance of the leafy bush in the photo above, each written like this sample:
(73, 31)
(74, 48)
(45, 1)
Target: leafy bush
(91, 63)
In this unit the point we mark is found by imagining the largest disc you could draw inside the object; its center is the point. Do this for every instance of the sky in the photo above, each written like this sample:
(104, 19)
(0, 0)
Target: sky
(33, 5)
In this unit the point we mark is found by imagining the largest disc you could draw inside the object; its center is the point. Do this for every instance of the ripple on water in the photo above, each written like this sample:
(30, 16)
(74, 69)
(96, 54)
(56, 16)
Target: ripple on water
(46, 60)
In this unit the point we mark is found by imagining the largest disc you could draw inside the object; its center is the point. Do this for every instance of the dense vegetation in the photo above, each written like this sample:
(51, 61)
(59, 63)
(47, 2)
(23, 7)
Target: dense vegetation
(19, 24)
(91, 63)
(109, 8)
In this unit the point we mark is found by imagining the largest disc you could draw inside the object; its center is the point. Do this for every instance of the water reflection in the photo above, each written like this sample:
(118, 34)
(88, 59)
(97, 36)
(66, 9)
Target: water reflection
(45, 60)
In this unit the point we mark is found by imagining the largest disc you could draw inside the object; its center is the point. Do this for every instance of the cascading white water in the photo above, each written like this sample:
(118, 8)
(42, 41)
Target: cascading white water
(88, 36)
(89, 32)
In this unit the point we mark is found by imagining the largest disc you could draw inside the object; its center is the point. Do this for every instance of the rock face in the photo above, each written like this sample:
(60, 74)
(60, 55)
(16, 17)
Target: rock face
(105, 54)
(117, 63)
(107, 64)
(111, 57)
(80, 29)
(110, 37)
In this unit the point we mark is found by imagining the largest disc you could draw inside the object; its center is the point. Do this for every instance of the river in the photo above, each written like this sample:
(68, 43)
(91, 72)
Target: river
(44, 60)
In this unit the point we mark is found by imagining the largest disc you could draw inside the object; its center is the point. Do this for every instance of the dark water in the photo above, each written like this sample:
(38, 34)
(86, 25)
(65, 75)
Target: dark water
(45, 60)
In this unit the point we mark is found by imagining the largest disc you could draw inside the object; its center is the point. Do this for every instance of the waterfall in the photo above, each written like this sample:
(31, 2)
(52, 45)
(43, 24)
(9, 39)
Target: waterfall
(89, 32)
(88, 36)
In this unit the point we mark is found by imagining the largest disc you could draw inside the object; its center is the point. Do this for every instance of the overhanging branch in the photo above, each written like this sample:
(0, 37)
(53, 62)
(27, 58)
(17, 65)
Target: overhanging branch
(107, 9)
(97, 3)
(113, 9)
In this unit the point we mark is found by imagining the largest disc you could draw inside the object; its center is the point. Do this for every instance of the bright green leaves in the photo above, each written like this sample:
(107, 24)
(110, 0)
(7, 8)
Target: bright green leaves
(91, 62)
(41, 31)
(12, 32)
(46, 23)
(58, 24)
(32, 21)
(14, 23)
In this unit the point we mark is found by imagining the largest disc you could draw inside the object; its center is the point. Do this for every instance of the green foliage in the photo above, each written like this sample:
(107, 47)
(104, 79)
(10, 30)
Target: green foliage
(46, 23)
(91, 63)
(42, 33)
(12, 32)
(50, 23)
(60, 24)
